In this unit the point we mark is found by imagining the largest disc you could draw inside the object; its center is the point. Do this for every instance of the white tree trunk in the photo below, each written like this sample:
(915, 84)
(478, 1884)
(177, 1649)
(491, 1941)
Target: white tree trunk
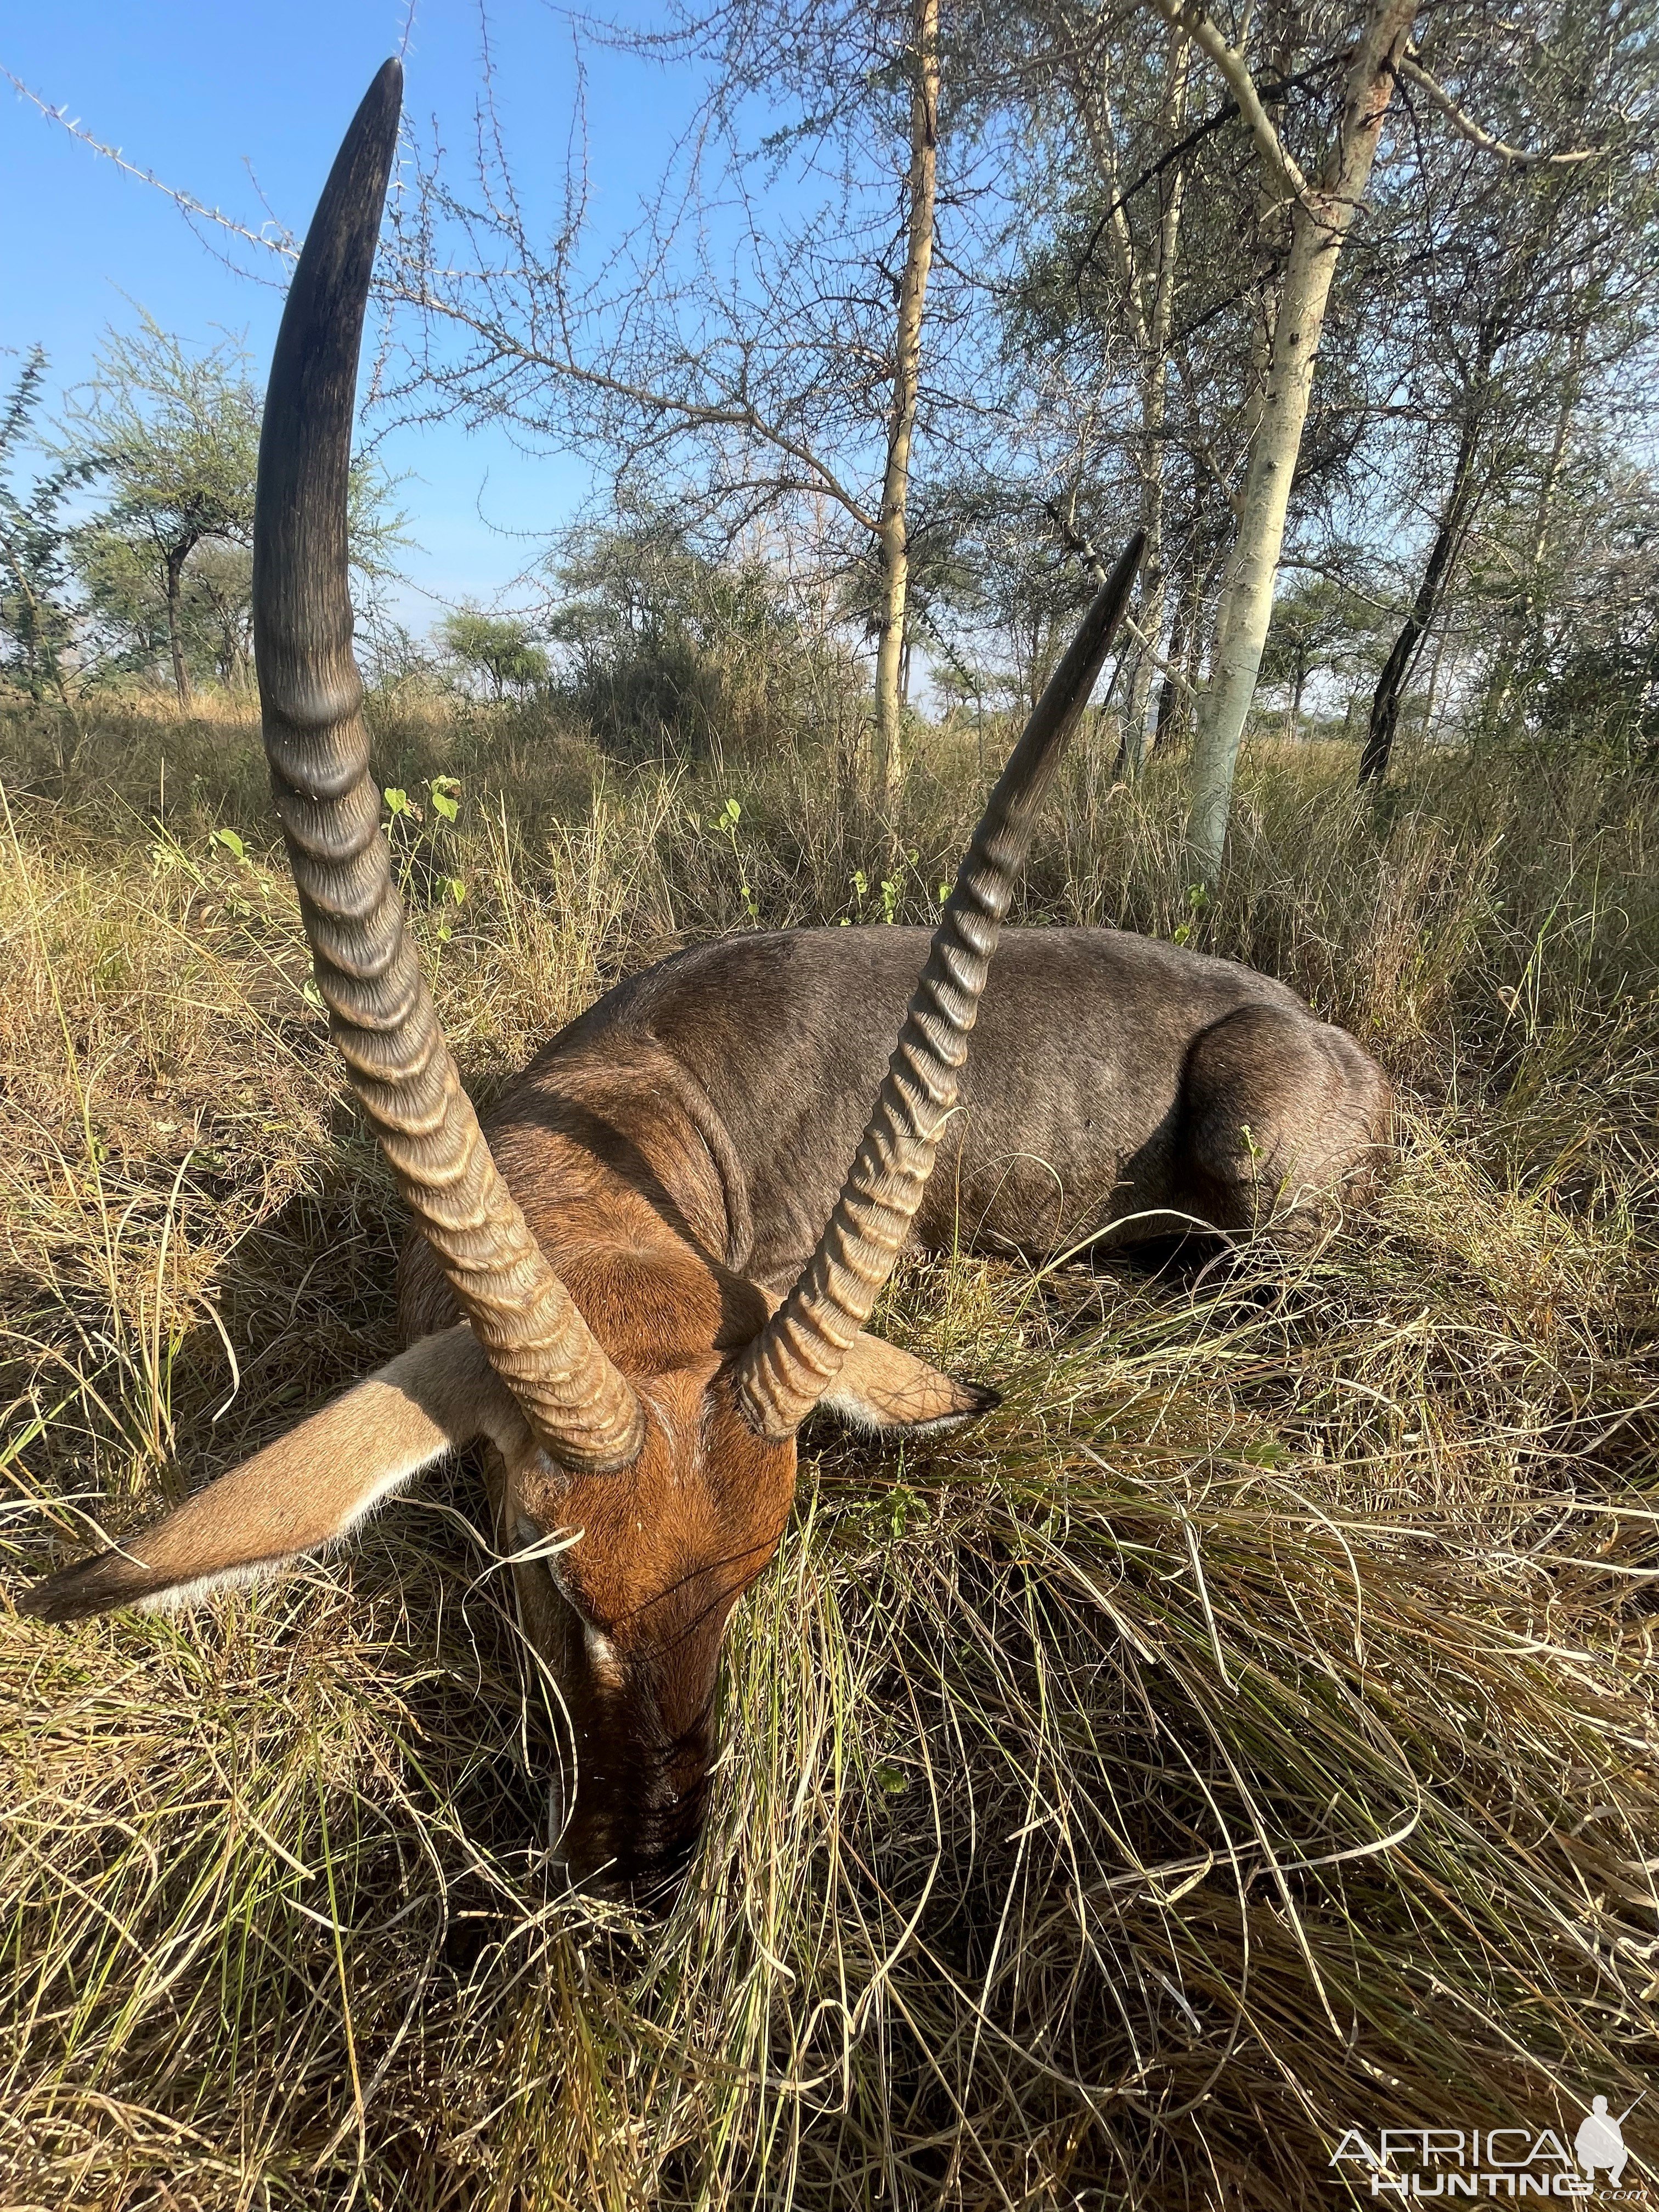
(1150, 291)
(891, 535)
(1521, 628)
(1320, 223)
(1154, 414)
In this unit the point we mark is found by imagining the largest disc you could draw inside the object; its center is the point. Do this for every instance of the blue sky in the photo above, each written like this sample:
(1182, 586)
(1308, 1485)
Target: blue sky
(231, 98)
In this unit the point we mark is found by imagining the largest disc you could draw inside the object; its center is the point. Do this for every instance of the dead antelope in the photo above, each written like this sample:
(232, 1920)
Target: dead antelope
(658, 1261)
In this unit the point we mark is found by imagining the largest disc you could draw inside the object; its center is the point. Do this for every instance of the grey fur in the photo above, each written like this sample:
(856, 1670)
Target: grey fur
(1111, 1083)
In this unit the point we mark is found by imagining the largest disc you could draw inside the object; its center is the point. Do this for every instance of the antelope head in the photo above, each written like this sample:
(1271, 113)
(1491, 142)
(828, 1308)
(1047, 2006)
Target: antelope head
(645, 1404)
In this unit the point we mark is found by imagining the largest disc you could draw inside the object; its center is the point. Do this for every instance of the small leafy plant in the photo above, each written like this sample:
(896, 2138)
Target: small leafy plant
(415, 835)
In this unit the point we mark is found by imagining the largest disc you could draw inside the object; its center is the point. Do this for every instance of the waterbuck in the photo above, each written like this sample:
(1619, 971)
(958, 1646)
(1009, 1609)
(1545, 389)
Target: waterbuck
(657, 1261)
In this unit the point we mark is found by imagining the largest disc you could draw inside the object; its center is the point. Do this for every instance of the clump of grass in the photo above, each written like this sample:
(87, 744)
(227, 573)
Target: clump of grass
(1245, 1733)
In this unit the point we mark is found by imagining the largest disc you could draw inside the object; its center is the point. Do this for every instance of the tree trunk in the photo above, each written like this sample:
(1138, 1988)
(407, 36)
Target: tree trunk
(1168, 726)
(1523, 625)
(176, 558)
(1131, 740)
(1154, 411)
(38, 657)
(1319, 225)
(1435, 666)
(913, 294)
(1397, 668)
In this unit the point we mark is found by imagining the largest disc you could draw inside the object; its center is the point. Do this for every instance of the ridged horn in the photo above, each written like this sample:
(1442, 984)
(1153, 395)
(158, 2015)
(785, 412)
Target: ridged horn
(581, 1409)
(798, 1355)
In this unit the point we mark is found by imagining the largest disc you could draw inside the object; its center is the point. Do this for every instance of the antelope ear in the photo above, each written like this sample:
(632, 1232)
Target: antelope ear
(880, 1387)
(307, 1490)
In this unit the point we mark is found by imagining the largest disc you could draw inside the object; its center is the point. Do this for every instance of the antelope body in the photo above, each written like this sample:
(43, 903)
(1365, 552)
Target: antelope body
(657, 1261)
(1104, 1101)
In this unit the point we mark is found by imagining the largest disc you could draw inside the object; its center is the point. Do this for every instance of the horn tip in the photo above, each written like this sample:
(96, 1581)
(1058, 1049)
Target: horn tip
(383, 103)
(380, 107)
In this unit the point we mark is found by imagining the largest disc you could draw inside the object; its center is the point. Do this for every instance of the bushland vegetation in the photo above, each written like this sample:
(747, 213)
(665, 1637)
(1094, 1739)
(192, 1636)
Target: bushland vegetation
(1246, 1733)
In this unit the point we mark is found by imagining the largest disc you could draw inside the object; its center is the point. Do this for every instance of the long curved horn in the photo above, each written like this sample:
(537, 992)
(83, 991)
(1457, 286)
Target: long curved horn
(581, 1409)
(799, 1354)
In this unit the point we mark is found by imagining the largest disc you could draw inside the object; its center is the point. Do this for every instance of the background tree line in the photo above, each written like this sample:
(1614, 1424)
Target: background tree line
(1350, 309)
(126, 527)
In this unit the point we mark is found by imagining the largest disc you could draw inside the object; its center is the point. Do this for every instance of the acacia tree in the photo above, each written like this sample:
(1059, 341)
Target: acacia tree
(1444, 546)
(37, 612)
(1143, 251)
(1322, 200)
(1524, 284)
(921, 187)
(1321, 626)
(1591, 668)
(173, 437)
(1321, 212)
(1139, 332)
(739, 367)
(499, 648)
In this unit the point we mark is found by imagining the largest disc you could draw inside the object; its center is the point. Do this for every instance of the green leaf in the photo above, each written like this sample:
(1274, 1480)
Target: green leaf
(1267, 1451)
(232, 843)
(397, 801)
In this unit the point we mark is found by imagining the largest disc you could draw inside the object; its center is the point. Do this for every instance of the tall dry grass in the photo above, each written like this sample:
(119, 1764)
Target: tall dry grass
(1244, 1734)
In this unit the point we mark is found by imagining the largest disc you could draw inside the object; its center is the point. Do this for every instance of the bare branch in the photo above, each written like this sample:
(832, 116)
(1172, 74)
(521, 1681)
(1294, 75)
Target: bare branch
(1078, 543)
(1467, 127)
(286, 246)
(733, 414)
(729, 412)
(1235, 73)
